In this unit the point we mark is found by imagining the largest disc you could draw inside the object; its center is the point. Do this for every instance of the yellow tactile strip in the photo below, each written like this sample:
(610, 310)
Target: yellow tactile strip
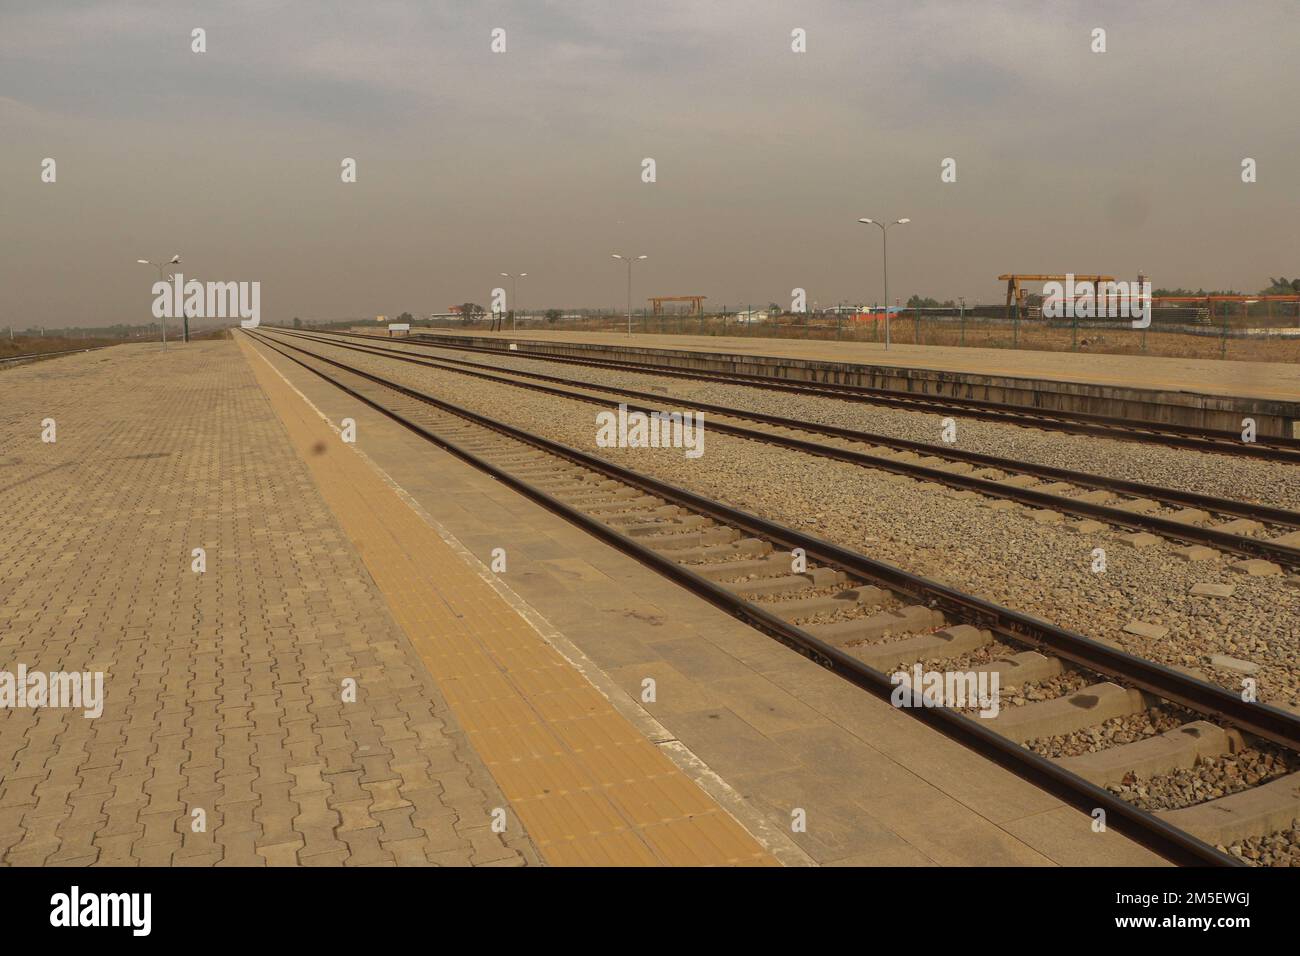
(586, 786)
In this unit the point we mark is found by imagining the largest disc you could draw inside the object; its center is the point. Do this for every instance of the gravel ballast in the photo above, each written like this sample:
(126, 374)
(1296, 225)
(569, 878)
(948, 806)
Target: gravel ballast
(993, 552)
(1220, 475)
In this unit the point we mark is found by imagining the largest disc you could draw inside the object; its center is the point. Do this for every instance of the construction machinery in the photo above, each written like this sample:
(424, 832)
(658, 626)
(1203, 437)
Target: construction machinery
(696, 301)
(1017, 295)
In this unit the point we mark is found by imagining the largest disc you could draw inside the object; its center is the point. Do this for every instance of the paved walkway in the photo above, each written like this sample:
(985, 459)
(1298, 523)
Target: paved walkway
(1267, 380)
(224, 737)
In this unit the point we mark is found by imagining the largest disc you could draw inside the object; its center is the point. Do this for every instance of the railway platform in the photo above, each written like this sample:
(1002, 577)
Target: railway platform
(260, 704)
(1181, 391)
(385, 657)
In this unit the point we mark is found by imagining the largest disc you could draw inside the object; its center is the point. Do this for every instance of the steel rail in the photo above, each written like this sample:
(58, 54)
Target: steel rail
(1244, 509)
(1262, 720)
(1157, 835)
(1142, 431)
(1169, 528)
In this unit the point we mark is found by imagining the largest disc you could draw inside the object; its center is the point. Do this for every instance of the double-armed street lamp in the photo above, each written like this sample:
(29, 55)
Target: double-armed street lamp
(174, 260)
(884, 233)
(629, 260)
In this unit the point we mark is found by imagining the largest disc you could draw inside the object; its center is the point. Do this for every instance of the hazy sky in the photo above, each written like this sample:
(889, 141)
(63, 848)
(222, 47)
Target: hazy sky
(472, 163)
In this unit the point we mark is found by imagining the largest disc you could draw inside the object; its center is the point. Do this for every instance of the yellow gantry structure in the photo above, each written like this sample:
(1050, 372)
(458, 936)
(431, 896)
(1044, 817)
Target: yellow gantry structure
(1017, 294)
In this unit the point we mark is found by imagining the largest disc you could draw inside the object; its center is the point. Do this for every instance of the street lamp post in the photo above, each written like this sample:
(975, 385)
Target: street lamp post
(185, 315)
(514, 299)
(174, 260)
(884, 233)
(629, 260)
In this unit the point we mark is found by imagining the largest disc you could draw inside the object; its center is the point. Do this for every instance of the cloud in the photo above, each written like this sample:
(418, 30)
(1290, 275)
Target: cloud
(766, 157)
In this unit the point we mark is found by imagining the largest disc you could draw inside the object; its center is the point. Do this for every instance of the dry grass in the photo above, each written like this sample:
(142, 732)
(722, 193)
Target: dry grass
(36, 344)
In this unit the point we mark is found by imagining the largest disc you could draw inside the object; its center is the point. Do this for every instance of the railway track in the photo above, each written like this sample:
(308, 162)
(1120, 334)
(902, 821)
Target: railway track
(1192, 518)
(860, 618)
(1269, 448)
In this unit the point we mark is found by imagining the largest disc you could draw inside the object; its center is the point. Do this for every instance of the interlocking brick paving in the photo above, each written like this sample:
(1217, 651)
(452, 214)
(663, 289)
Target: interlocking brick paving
(223, 689)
